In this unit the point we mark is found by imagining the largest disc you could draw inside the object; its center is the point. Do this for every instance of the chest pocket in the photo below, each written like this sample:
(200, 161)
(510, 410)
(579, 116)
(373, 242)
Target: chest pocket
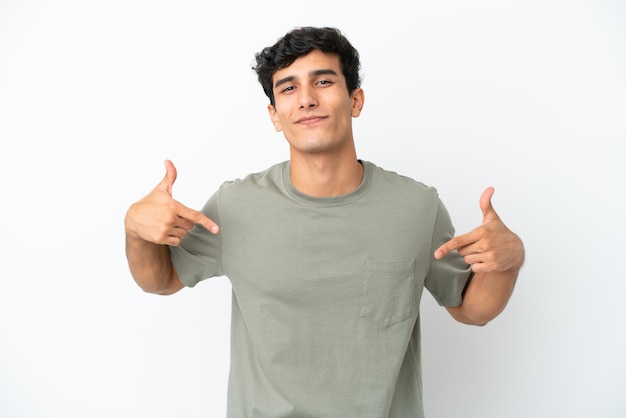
(387, 297)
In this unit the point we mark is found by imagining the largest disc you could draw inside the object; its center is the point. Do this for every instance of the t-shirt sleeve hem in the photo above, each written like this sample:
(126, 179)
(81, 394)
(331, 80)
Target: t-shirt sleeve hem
(182, 260)
(456, 298)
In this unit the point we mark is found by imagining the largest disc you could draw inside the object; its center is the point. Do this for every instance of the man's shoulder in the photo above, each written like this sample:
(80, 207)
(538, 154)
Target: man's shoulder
(271, 176)
(390, 179)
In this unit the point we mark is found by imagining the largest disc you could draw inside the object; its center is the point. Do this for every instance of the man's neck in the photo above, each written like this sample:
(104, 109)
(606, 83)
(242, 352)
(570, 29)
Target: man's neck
(326, 176)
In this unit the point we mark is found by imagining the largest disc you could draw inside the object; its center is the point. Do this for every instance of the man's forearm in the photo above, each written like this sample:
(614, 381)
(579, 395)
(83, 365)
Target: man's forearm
(486, 297)
(150, 265)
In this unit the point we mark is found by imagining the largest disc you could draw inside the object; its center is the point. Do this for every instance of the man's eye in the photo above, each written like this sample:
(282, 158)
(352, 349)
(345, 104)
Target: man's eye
(324, 82)
(287, 89)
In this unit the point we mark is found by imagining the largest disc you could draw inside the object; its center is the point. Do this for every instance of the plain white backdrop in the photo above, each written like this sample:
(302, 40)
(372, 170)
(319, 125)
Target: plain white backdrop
(525, 96)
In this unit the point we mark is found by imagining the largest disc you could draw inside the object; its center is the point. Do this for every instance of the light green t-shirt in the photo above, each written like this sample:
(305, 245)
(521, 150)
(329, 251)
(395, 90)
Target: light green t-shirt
(326, 292)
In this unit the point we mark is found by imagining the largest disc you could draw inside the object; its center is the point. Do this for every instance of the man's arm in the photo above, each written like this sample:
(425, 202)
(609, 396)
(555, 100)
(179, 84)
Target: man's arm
(150, 266)
(496, 255)
(484, 299)
(152, 224)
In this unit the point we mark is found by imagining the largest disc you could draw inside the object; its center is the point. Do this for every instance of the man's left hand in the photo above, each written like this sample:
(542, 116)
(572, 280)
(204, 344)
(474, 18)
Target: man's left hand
(492, 247)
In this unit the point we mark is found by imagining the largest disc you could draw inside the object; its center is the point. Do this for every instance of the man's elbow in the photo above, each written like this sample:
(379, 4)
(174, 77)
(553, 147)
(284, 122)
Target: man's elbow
(161, 289)
(158, 291)
(470, 318)
(474, 322)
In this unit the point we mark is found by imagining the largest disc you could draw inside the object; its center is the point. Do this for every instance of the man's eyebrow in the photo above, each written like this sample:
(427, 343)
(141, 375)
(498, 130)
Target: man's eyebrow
(323, 72)
(313, 73)
(284, 80)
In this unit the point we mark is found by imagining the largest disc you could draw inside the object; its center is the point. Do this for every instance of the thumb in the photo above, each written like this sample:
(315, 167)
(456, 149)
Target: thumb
(489, 213)
(170, 177)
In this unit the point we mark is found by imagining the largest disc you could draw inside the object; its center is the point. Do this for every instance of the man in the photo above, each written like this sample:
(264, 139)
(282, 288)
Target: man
(327, 255)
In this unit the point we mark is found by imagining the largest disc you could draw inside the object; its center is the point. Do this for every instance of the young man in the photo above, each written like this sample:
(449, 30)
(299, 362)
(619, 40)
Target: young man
(327, 255)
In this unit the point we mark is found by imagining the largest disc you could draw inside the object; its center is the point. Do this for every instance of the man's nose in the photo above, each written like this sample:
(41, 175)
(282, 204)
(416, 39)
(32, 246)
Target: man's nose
(307, 98)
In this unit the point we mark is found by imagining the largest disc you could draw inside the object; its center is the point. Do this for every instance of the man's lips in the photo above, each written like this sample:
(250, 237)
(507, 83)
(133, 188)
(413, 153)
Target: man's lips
(309, 120)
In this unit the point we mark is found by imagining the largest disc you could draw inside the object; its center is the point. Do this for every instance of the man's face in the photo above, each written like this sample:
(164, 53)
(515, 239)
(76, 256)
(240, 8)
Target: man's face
(312, 106)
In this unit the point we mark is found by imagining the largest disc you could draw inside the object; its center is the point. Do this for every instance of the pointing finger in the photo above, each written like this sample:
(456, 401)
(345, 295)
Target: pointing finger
(455, 244)
(199, 218)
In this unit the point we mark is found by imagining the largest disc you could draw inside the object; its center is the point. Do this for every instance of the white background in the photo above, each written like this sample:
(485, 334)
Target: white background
(528, 96)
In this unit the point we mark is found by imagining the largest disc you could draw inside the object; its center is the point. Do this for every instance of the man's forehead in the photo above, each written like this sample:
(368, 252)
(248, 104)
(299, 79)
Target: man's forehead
(312, 64)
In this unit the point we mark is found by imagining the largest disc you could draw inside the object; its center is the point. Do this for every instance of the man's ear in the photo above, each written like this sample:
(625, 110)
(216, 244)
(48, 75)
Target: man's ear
(274, 118)
(358, 99)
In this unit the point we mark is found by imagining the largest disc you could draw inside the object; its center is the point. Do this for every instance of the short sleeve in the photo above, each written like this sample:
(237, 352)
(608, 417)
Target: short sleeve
(199, 254)
(447, 277)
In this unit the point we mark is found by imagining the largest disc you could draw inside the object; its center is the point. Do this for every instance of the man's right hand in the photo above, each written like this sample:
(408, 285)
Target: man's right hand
(160, 219)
